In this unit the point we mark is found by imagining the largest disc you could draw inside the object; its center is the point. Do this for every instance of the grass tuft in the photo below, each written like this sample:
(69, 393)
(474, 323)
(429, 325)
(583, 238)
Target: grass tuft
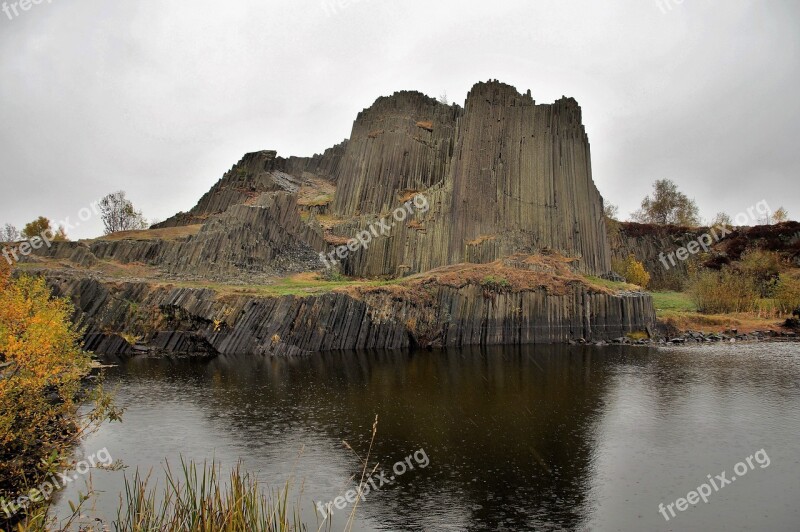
(195, 499)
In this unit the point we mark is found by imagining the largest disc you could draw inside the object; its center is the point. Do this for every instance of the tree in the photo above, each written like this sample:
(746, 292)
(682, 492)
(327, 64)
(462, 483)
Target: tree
(667, 206)
(443, 99)
(611, 211)
(42, 371)
(722, 220)
(118, 214)
(780, 216)
(42, 225)
(632, 270)
(9, 233)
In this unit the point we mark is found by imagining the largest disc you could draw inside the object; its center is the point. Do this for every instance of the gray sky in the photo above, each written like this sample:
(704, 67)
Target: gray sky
(160, 98)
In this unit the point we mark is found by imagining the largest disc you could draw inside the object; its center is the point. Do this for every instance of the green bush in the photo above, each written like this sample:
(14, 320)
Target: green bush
(495, 284)
(764, 268)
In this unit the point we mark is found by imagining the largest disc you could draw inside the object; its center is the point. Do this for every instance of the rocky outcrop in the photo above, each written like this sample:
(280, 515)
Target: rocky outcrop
(401, 144)
(325, 165)
(522, 179)
(531, 303)
(653, 244)
(519, 180)
(647, 243)
(264, 237)
(501, 176)
(255, 174)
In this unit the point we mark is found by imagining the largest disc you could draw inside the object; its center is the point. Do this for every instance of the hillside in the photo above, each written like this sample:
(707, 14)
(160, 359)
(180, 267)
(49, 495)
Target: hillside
(419, 189)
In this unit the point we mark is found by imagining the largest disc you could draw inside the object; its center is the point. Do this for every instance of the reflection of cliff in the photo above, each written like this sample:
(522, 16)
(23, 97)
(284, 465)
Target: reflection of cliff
(527, 415)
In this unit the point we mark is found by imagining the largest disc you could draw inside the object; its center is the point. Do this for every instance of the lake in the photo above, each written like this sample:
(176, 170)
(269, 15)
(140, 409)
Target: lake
(511, 438)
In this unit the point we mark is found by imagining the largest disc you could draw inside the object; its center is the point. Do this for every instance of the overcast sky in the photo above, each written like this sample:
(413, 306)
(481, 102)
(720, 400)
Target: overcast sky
(160, 98)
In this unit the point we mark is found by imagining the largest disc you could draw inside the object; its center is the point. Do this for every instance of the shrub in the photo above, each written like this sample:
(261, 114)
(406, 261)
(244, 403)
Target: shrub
(723, 291)
(763, 267)
(495, 284)
(632, 270)
(41, 372)
(787, 293)
(333, 274)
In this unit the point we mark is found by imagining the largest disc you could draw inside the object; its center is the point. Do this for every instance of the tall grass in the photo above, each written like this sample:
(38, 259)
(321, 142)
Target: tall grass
(787, 293)
(195, 499)
(724, 291)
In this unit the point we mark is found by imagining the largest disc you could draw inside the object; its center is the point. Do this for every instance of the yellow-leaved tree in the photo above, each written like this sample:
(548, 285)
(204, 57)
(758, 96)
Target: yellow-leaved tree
(42, 379)
(632, 271)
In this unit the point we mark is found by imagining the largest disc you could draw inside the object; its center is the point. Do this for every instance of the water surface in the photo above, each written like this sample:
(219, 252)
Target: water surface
(518, 438)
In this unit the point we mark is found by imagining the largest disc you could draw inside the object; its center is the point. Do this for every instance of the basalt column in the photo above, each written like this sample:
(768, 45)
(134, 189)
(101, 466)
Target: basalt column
(522, 181)
(400, 145)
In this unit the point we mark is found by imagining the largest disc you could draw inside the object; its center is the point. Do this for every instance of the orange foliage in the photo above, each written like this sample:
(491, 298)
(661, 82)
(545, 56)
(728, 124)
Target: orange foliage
(41, 373)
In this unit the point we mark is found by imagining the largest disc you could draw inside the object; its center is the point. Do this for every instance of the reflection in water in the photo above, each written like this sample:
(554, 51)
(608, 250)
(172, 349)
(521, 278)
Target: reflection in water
(519, 438)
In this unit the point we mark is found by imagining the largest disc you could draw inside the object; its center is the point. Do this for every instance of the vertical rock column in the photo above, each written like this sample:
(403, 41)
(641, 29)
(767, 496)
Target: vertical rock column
(402, 143)
(521, 177)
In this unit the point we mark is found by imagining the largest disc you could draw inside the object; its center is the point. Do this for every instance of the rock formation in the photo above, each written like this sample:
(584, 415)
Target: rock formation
(503, 174)
(503, 178)
(402, 143)
(529, 301)
(518, 179)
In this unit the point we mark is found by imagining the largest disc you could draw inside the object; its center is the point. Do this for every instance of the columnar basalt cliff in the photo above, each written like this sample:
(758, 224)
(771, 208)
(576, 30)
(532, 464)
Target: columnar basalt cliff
(256, 174)
(522, 178)
(264, 235)
(402, 143)
(519, 179)
(538, 301)
(502, 177)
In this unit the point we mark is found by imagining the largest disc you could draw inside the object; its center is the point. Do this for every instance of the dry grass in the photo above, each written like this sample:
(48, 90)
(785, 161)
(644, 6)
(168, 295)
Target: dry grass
(692, 321)
(168, 233)
(196, 498)
(336, 240)
(518, 273)
(425, 124)
(316, 192)
(481, 239)
(328, 221)
(407, 194)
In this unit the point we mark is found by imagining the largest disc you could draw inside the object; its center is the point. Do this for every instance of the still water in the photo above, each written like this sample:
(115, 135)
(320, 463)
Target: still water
(517, 438)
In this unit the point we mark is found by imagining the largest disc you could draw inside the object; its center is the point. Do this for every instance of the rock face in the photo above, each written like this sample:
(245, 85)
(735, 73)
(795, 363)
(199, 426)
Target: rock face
(647, 242)
(263, 236)
(518, 180)
(502, 175)
(498, 178)
(453, 308)
(522, 180)
(402, 143)
(653, 244)
(254, 175)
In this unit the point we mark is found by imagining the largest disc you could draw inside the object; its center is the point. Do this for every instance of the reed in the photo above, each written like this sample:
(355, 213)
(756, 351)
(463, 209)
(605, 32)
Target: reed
(195, 499)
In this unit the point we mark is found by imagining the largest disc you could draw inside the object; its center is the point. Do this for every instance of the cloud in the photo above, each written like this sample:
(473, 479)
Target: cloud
(160, 98)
